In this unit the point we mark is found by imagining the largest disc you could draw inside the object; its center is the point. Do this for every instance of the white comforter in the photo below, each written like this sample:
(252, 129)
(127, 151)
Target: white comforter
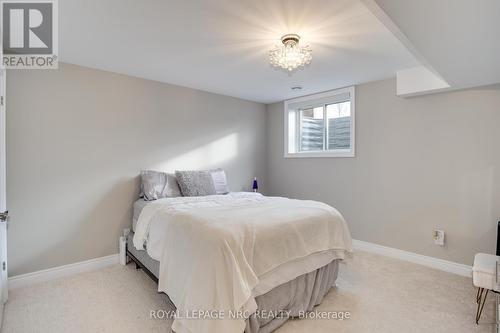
(216, 248)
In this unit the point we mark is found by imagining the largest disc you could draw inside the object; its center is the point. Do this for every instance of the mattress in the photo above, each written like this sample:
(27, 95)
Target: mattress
(267, 282)
(138, 207)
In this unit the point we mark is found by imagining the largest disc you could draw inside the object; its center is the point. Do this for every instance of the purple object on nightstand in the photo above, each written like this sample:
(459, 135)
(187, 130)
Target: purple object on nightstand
(255, 185)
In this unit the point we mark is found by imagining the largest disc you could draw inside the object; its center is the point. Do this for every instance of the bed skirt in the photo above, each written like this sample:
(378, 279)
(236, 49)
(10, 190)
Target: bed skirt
(291, 299)
(295, 297)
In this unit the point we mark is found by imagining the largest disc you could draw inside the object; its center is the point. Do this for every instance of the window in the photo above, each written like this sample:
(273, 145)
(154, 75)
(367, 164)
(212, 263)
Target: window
(320, 125)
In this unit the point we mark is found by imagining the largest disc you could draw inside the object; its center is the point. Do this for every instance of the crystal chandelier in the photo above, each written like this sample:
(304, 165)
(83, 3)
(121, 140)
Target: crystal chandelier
(290, 55)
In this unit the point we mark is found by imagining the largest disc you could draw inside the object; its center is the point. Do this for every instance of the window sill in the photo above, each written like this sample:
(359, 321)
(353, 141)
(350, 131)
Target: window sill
(320, 154)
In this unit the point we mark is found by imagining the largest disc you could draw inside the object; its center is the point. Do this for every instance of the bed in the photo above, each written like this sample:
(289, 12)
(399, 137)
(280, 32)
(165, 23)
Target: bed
(238, 256)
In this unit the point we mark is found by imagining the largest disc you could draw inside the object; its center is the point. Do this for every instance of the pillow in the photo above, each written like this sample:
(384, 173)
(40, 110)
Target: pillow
(156, 185)
(195, 183)
(220, 181)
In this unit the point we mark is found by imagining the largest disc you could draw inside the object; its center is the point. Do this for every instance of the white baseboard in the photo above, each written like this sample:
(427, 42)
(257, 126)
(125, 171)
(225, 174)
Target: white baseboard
(62, 271)
(443, 265)
(97, 263)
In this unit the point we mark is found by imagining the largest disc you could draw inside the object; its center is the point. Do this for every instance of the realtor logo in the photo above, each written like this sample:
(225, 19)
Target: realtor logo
(29, 34)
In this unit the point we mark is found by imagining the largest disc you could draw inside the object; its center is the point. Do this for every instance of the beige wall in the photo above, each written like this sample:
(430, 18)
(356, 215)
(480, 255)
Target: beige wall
(421, 163)
(77, 139)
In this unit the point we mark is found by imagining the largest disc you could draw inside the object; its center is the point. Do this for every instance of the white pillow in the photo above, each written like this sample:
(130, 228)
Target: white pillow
(220, 181)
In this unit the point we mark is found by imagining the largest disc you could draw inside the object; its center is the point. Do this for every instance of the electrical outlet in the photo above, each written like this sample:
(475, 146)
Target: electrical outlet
(438, 236)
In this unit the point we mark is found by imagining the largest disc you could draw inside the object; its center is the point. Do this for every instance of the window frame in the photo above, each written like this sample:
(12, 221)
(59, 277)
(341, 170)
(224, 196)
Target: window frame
(333, 94)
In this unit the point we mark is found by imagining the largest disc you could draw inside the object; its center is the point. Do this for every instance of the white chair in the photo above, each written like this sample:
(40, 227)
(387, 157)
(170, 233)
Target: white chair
(485, 277)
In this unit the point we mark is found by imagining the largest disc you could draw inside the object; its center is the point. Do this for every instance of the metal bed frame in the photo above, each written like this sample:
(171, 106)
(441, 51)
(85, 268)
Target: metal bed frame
(140, 265)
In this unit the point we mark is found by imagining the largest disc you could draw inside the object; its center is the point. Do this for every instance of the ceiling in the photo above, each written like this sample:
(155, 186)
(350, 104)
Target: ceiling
(458, 38)
(221, 46)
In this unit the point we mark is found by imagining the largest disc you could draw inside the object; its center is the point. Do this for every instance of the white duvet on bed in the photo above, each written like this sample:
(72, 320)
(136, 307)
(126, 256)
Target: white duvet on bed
(215, 249)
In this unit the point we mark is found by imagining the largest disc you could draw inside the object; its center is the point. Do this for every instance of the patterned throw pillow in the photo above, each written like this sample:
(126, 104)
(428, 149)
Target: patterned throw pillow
(156, 185)
(195, 183)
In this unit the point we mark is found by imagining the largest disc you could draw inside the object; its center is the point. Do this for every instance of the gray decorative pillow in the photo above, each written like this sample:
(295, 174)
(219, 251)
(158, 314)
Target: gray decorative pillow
(156, 185)
(195, 183)
(220, 181)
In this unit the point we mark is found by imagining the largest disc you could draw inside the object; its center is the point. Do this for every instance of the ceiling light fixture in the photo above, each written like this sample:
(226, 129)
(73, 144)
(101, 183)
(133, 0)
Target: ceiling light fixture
(291, 55)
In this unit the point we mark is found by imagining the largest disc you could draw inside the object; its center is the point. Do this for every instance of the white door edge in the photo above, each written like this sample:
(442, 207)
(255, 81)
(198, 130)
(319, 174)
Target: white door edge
(3, 201)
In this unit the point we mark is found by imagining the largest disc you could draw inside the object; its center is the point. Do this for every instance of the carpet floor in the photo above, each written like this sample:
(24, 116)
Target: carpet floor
(381, 294)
